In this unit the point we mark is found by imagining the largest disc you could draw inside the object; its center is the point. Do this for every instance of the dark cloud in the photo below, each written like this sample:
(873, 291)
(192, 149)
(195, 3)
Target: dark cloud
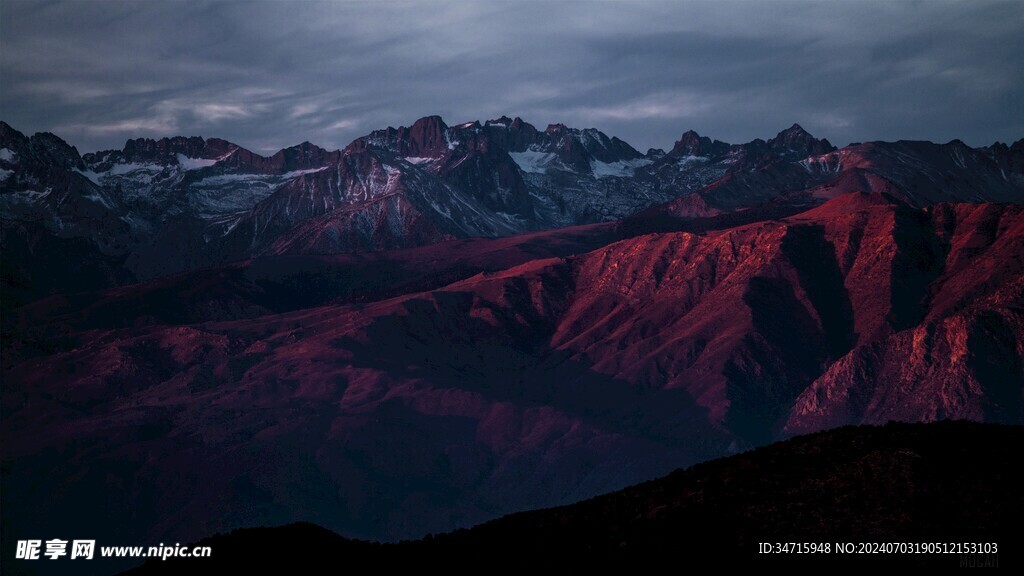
(267, 75)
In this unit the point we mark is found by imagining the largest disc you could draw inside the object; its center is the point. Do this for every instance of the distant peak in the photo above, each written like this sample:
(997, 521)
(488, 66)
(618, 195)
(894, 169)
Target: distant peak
(693, 144)
(301, 147)
(430, 122)
(6, 128)
(9, 137)
(426, 137)
(305, 147)
(796, 139)
(796, 128)
(794, 133)
(220, 142)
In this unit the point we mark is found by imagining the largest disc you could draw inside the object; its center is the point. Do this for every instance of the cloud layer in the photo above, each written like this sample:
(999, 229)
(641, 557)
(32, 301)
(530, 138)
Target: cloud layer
(269, 75)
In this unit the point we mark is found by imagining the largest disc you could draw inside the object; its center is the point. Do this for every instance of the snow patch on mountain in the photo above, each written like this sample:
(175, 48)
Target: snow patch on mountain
(140, 172)
(533, 161)
(99, 199)
(212, 203)
(187, 163)
(93, 177)
(825, 164)
(297, 173)
(221, 179)
(121, 169)
(23, 197)
(621, 169)
(8, 155)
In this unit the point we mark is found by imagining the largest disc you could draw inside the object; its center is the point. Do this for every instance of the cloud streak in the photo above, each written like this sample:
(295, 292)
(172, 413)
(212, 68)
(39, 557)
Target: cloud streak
(271, 74)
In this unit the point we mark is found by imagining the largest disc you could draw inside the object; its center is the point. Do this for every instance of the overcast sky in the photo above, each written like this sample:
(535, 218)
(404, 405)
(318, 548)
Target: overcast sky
(269, 75)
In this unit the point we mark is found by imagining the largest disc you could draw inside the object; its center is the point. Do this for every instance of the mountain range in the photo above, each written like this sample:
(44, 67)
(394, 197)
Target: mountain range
(439, 325)
(159, 207)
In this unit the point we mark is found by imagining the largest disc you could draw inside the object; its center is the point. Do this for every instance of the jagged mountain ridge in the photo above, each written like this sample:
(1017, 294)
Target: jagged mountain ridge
(918, 173)
(162, 206)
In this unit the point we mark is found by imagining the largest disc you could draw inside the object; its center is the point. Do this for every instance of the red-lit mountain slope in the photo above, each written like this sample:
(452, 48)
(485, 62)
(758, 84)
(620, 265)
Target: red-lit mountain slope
(547, 382)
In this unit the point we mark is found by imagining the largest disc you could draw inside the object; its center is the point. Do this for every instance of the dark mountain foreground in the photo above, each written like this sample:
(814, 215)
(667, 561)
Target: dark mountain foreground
(951, 483)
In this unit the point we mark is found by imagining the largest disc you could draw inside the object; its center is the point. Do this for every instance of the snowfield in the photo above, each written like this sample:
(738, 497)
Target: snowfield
(532, 161)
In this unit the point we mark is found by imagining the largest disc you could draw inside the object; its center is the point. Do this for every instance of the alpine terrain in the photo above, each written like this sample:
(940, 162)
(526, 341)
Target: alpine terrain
(442, 324)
